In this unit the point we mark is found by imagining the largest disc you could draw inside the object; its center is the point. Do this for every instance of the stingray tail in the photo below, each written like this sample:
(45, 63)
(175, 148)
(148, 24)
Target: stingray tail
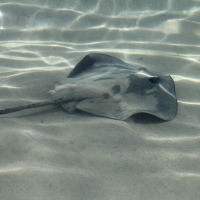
(35, 105)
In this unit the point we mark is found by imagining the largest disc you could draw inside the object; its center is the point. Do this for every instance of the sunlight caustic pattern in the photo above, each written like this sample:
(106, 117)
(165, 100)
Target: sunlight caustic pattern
(49, 154)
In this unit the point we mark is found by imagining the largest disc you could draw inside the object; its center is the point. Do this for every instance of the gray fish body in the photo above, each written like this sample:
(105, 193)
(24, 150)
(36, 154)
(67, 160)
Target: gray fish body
(108, 87)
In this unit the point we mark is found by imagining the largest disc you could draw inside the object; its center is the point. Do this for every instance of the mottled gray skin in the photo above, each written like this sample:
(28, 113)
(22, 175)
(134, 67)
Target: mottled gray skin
(106, 86)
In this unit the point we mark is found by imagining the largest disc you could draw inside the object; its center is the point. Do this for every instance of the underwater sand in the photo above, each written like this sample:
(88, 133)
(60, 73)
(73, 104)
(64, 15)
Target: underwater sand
(48, 154)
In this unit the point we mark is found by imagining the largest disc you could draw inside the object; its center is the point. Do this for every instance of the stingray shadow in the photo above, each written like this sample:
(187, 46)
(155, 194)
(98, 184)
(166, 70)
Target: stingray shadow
(144, 118)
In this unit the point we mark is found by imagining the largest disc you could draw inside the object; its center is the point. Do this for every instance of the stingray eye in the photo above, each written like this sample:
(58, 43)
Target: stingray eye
(142, 69)
(154, 79)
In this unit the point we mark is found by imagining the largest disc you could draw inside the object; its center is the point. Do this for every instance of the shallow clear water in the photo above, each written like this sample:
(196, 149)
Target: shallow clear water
(46, 153)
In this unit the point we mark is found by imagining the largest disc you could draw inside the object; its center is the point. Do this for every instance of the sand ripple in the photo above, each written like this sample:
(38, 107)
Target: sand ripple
(49, 154)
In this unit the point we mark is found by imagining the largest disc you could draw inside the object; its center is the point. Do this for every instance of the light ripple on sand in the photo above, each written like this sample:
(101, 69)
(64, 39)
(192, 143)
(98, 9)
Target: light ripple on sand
(40, 43)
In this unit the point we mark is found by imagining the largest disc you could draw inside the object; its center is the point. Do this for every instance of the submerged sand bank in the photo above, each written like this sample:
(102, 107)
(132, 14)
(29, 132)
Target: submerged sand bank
(49, 154)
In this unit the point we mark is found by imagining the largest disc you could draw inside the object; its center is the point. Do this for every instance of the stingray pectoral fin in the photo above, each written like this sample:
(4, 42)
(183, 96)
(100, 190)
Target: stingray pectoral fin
(111, 108)
(69, 106)
(95, 61)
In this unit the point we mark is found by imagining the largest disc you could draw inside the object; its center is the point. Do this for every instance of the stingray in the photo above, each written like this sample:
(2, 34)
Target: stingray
(106, 86)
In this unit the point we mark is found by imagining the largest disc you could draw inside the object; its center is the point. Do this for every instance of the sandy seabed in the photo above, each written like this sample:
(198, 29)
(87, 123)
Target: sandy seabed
(48, 154)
